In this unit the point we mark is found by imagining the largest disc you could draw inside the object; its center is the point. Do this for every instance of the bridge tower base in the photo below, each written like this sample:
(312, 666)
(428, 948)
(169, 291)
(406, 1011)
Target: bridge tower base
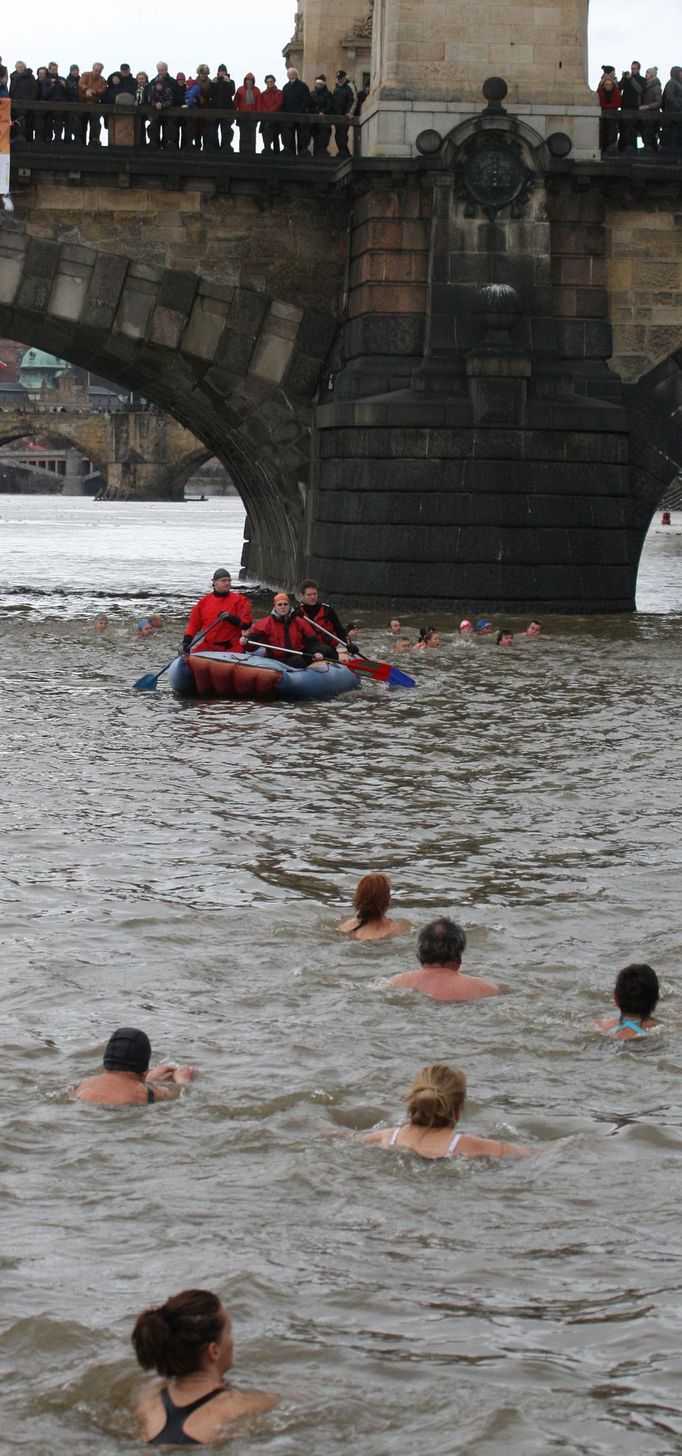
(474, 450)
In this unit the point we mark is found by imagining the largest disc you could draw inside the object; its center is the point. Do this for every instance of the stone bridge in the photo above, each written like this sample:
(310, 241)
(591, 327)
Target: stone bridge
(450, 377)
(140, 455)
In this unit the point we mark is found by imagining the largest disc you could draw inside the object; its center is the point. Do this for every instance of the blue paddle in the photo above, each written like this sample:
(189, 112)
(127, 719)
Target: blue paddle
(147, 683)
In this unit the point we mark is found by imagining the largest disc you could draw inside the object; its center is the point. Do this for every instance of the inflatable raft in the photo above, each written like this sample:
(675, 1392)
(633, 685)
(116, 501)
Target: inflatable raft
(261, 678)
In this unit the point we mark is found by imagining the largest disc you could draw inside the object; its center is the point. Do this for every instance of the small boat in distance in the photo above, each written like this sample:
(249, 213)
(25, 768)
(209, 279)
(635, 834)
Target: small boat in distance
(248, 675)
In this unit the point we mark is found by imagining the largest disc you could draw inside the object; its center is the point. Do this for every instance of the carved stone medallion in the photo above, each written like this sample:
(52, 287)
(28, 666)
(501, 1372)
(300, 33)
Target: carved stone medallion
(495, 176)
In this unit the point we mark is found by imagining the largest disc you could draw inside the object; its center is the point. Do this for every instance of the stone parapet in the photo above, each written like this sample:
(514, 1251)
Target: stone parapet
(390, 127)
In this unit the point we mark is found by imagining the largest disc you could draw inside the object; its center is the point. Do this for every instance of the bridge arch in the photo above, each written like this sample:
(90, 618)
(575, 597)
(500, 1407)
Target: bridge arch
(14, 428)
(655, 404)
(235, 365)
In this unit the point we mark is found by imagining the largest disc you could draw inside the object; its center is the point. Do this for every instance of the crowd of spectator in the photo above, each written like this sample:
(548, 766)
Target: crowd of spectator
(156, 98)
(643, 93)
(252, 109)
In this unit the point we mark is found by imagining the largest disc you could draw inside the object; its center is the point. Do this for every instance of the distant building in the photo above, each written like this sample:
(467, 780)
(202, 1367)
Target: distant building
(39, 370)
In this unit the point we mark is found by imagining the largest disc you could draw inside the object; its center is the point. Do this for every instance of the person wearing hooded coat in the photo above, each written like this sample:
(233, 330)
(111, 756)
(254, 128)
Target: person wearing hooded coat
(246, 99)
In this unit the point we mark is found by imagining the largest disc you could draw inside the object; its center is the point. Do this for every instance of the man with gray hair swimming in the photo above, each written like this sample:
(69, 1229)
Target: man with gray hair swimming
(440, 947)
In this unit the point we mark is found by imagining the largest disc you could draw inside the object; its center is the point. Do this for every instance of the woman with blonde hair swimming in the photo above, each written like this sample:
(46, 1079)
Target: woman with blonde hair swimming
(370, 921)
(188, 1341)
(434, 1106)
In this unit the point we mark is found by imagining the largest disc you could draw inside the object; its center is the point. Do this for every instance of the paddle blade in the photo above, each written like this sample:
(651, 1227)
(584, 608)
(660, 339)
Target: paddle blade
(380, 671)
(398, 679)
(147, 683)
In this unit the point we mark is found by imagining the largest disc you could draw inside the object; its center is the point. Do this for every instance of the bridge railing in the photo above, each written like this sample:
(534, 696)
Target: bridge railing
(659, 132)
(185, 128)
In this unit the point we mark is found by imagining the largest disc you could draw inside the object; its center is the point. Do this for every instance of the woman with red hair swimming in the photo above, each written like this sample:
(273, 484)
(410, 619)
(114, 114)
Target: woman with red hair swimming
(370, 921)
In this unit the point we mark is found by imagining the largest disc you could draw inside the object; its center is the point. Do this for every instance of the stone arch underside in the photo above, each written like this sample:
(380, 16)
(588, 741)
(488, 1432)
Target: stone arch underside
(234, 365)
(655, 404)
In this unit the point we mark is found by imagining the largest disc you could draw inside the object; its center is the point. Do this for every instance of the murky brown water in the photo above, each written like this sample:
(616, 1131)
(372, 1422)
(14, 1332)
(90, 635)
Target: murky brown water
(182, 868)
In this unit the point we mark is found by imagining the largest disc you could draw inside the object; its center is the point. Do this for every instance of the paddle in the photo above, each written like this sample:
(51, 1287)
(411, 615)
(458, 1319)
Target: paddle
(147, 683)
(380, 671)
(293, 650)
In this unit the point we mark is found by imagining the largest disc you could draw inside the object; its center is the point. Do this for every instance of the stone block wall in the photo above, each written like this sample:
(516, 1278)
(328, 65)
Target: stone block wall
(445, 48)
(448, 515)
(643, 277)
(384, 334)
(269, 239)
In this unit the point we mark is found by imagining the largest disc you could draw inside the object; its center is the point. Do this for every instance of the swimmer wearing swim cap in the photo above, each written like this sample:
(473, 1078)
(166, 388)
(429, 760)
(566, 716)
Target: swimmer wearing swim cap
(126, 1078)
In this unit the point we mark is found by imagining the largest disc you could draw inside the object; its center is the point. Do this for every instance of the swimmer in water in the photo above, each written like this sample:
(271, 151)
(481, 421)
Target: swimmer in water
(428, 637)
(126, 1079)
(440, 947)
(505, 638)
(188, 1340)
(636, 995)
(370, 921)
(394, 628)
(434, 1106)
(483, 627)
(101, 622)
(532, 630)
(143, 627)
(465, 633)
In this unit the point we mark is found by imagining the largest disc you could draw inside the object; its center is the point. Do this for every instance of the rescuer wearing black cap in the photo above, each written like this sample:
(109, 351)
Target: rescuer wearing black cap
(344, 97)
(226, 612)
(126, 1079)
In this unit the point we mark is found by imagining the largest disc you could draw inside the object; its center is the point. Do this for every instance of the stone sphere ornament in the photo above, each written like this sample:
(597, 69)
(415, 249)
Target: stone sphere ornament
(499, 307)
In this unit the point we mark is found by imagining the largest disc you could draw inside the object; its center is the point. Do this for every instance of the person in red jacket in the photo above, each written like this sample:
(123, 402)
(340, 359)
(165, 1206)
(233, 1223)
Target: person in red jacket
(608, 93)
(222, 602)
(247, 98)
(271, 99)
(286, 635)
(320, 614)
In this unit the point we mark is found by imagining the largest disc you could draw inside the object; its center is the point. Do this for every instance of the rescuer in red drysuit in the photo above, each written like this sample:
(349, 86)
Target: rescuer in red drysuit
(320, 614)
(287, 636)
(225, 635)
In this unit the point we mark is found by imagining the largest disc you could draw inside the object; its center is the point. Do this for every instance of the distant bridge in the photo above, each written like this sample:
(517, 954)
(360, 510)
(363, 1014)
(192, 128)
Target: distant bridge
(140, 454)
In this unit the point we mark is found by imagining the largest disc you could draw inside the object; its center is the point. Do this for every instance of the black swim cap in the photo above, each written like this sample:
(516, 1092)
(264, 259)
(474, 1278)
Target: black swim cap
(127, 1050)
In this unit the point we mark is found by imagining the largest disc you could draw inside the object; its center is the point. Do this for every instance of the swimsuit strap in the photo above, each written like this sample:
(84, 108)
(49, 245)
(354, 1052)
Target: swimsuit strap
(394, 1135)
(173, 1433)
(186, 1410)
(150, 1094)
(634, 1025)
(453, 1144)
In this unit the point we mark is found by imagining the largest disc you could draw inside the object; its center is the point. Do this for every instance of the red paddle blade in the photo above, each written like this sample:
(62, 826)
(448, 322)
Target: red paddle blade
(380, 671)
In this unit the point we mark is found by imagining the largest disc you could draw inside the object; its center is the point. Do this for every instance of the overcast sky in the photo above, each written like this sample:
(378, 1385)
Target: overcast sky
(251, 37)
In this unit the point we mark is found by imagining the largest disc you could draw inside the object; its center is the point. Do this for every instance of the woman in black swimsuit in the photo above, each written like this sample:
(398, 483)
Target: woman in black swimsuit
(188, 1340)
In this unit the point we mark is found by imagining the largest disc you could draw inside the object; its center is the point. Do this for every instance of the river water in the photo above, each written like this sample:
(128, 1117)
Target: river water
(182, 868)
